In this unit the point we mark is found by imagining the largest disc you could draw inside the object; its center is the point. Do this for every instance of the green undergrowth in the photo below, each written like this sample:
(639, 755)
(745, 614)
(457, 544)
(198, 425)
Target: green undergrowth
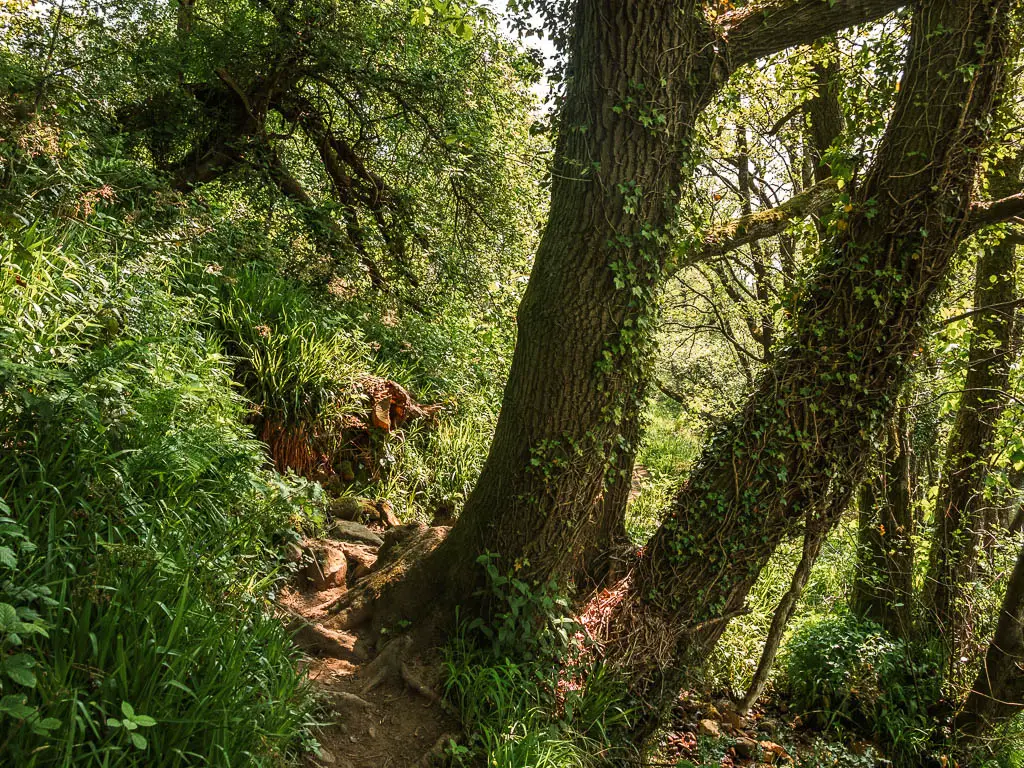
(527, 689)
(848, 674)
(143, 527)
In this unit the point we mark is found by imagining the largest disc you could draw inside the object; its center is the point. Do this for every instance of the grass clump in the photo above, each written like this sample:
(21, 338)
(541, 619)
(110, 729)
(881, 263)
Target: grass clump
(526, 687)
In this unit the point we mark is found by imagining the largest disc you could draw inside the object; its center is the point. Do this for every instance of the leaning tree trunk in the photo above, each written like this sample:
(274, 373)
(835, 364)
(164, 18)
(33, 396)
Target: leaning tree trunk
(803, 439)
(961, 507)
(998, 692)
(883, 585)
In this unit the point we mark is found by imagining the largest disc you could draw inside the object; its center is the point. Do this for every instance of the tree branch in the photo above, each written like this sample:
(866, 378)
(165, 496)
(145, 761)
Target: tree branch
(760, 30)
(756, 226)
(996, 211)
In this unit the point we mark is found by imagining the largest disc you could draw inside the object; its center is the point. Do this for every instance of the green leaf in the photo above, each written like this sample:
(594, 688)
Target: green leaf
(113, 722)
(126, 708)
(16, 707)
(139, 740)
(8, 558)
(8, 618)
(145, 721)
(19, 668)
(47, 724)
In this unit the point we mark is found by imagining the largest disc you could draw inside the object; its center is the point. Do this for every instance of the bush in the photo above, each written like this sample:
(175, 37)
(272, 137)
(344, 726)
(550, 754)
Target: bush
(851, 674)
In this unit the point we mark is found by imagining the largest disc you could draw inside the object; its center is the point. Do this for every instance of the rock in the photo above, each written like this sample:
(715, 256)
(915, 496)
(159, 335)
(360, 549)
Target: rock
(769, 725)
(745, 748)
(735, 721)
(327, 567)
(346, 530)
(386, 514)
(352, 508)
(293, 553)
(325, 757)
(774, 754)
(361, 559)
(709, 728)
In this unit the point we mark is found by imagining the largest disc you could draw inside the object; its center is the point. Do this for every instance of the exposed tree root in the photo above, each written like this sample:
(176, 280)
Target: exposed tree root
(371, 598)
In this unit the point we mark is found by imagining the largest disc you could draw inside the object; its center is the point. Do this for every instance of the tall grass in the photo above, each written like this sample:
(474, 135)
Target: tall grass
(152, 525)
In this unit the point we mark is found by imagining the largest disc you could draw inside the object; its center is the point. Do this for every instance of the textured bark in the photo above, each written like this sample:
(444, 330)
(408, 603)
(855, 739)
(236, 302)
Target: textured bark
(639, 73)
(825, 116)
(961, 507)
(883, 586)
(801, 442)
(998, 692)
(575, 380)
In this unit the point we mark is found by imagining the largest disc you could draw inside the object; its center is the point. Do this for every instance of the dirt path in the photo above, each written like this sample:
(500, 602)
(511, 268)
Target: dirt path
(384, 710)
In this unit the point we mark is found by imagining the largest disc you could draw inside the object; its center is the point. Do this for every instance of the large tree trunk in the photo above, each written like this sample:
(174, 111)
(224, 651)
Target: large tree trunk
(961, 508)
(569, 417)
(802, 441)
(998, 692)
(639, 74)
(883, 586)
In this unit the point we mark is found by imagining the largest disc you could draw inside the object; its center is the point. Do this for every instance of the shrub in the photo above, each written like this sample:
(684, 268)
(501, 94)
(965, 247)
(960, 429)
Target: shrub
(850, 673)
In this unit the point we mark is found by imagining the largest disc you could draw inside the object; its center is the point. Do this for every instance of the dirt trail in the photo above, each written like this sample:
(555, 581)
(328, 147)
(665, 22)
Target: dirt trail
(384, 710)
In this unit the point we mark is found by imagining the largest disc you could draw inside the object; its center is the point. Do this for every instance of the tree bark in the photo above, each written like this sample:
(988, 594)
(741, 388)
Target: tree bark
(883, 587)
(584, 323)
(801, 442)
(639, 74)
(961, 507)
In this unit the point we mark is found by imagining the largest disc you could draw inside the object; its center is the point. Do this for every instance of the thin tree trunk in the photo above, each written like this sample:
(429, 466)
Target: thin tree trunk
(802, 441)
(998, 692)
(883, 587)
(814, 537)
(961, 506)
